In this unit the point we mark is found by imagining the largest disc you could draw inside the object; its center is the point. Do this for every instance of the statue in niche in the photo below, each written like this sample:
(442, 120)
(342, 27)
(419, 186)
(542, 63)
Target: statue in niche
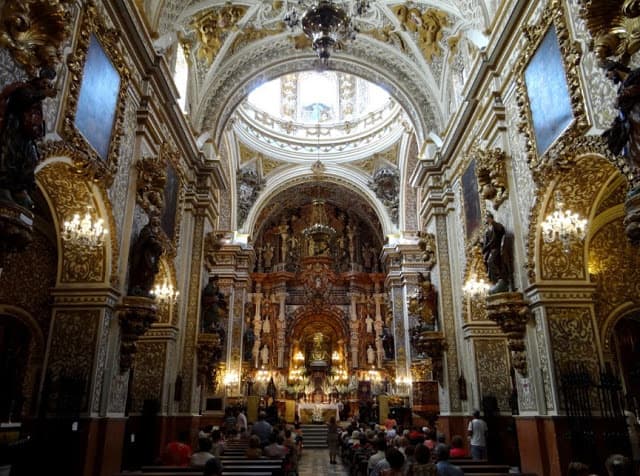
(369, 323)
(267, 255)
(264, 355)
(247, 345)
(266, 325)
(214, 307)
(425, 303)
(145, 259)
(21, 126)
(367, 257)
(496, 257)
(318, 349)
(371, 355)
(388, 343)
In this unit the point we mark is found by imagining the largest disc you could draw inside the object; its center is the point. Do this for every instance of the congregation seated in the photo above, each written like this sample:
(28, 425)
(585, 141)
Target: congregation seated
(217, 445)
(380, 446)
(200, 457)
(443, 466)
(212, 468)
(457, 448)
(423, 465)
(177, 453)
(395, 461)
(254, 451)
(275, 448)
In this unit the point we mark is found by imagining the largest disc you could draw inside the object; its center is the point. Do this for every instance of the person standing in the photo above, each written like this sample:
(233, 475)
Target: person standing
(332, 440)
(477, 431)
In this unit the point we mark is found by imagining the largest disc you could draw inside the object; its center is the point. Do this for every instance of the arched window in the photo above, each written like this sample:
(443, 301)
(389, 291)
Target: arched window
(181, 77)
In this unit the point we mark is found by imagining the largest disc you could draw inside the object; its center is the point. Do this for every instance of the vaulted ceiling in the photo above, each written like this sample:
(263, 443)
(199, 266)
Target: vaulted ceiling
(419, 52)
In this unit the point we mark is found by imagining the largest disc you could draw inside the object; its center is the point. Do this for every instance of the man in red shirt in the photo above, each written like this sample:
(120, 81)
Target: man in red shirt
(177, 453)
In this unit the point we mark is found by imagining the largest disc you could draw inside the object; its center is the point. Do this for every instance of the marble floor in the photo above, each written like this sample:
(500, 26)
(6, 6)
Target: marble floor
(315, 462)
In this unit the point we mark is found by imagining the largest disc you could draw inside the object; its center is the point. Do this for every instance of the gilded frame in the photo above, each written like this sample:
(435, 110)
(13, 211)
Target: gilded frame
(94, 166)
(559, 150)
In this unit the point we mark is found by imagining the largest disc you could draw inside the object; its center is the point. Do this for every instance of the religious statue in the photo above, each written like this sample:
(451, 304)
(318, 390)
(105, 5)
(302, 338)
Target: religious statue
(247, 345)
(319, 351)
(214, 306)
(267, 255)
(369, 322)
(388, 343)
(495, 256)
(266, 325)
(371, 355)
(425, 303)
(264, 354)
(21, 126)
(145, 259)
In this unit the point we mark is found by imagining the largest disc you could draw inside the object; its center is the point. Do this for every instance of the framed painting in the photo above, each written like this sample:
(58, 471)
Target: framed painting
(98, 98)
(171, 190)
(94, 112)
(471, 200)
(551, 106)
(548, 92)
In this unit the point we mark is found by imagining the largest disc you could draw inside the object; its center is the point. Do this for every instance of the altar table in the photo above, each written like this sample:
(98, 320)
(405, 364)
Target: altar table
(317, 412)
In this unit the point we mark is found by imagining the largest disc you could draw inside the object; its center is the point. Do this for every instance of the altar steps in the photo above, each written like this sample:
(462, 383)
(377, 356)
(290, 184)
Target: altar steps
(315, 436)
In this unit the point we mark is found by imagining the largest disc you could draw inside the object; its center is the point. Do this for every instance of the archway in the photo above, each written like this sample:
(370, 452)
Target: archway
(626, 337)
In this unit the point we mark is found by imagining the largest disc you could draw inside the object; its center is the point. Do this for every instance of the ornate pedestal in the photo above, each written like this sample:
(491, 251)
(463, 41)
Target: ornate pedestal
(632, 216)
(16, 227)
(511, 312)
(136, 314)
(433, 345)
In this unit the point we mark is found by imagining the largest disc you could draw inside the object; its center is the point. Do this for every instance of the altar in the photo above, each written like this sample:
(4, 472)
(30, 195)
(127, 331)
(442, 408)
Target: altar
(317, 412)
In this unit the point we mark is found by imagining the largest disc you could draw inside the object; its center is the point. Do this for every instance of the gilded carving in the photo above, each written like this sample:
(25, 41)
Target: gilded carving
(213, 27)
(511, 313)
(433, 345)
(558, 154)
(149, 365)
(572, 338)
(152, 177)
(427, 25)
(250, 34)
(34, 31)
(449, 326)
(616, 274)
(492, 366)
(475, 269)
(136, 314)
(73, 343)
(492, 175)
(90, 164)
(67, 194)
(615, 28)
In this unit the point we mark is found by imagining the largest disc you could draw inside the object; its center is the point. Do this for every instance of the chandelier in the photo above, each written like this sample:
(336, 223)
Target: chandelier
(327, 24)
(84, 231)
(165, 293)
(476, 287)
(563, 225)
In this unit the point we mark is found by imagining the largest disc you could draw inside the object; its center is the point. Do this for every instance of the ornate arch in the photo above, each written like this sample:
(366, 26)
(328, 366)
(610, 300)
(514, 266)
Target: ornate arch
(619, 313)
(225, 87)
(68, 192)
(582, 180)
(337, 175)
(306, 319)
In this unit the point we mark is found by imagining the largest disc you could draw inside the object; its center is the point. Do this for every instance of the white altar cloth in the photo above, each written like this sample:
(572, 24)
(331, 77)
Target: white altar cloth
(319, 409)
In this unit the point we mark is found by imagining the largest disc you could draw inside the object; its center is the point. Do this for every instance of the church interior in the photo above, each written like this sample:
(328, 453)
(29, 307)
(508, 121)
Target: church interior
(418, 208)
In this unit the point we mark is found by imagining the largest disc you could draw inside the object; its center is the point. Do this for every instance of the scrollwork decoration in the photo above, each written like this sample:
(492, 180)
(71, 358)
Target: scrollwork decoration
(492, 175)
(34, 31)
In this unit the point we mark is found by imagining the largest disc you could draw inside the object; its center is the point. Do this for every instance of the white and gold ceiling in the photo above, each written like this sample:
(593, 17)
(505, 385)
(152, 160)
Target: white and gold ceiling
(396, 85)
